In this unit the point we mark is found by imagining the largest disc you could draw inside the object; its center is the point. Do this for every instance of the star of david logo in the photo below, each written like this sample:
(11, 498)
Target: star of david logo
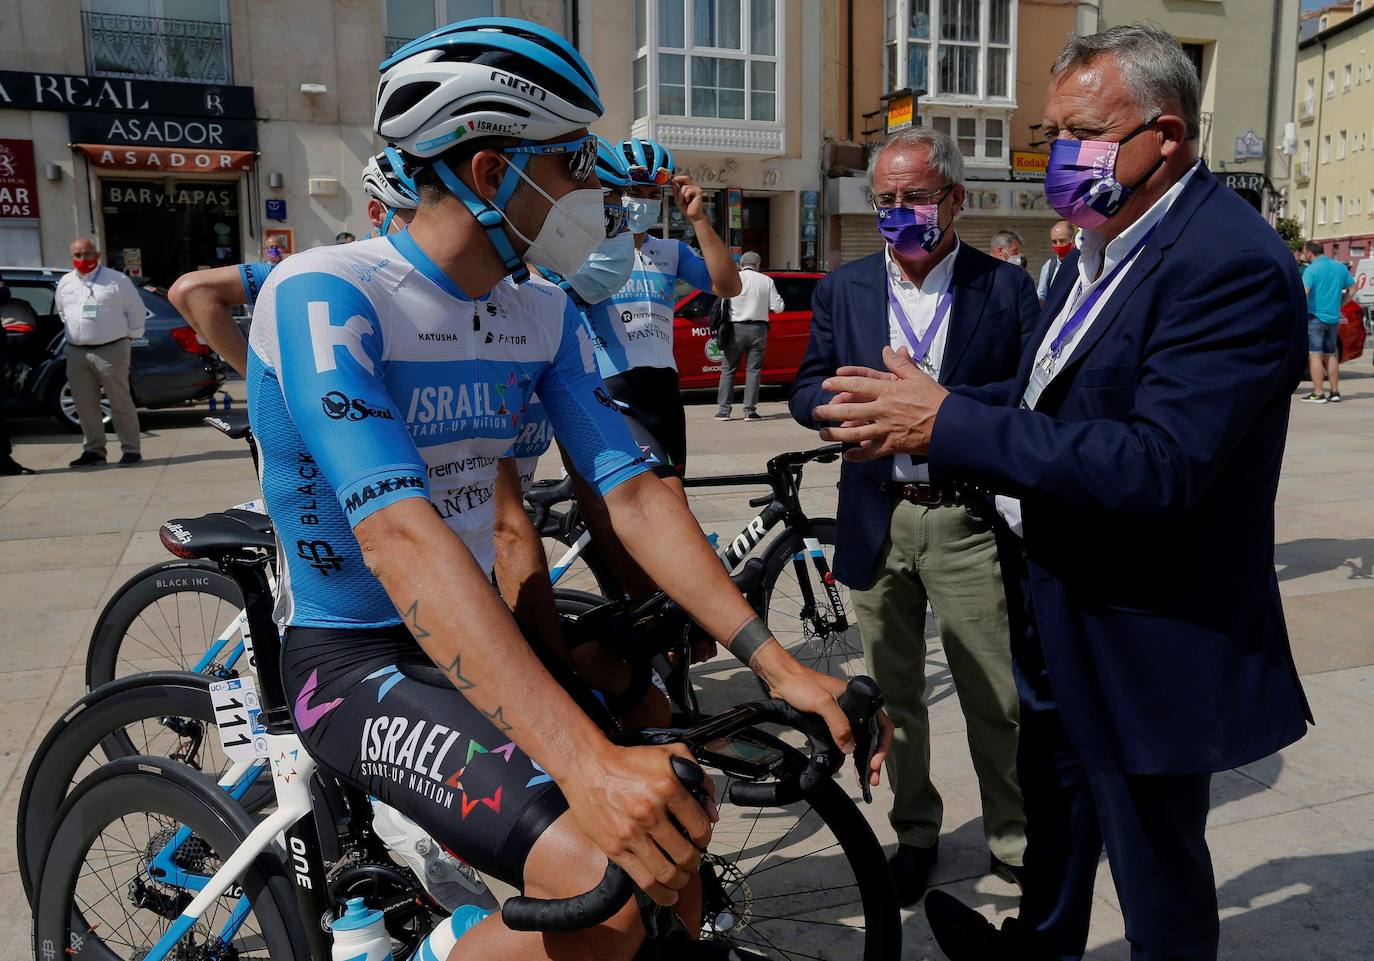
(514, 415)
(455, 780)
(286, 769)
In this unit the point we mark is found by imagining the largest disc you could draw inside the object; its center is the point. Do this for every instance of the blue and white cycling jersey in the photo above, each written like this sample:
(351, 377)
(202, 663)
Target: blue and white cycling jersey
(253, 276)
(372, 378)
(536, 434)
(634, 328)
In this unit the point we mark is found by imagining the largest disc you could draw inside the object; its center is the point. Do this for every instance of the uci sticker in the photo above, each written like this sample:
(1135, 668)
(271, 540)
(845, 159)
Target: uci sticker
(713, 352)
(237, 718)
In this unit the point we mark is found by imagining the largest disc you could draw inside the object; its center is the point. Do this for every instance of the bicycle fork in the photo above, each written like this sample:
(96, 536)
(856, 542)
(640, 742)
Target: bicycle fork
(292, 768)
(810, 612)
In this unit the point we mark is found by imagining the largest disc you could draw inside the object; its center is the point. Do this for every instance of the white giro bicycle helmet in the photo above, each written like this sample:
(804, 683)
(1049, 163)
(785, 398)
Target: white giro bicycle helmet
(487, 77)
(380, 182)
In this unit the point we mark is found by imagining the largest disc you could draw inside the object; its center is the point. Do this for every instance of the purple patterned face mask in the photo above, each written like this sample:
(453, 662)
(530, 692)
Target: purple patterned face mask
(912, 231)
(1080, 180)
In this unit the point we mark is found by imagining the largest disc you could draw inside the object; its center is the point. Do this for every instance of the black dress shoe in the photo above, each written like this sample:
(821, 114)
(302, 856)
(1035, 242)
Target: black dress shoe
(8, 468)
(965, 935)
(87, 459)
(128, 460)
(910, 867)
(1010, 873)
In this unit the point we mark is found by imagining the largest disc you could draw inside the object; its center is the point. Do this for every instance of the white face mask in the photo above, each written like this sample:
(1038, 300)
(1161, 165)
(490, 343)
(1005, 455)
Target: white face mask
(573, 227)
(607, 270)
(641, 214)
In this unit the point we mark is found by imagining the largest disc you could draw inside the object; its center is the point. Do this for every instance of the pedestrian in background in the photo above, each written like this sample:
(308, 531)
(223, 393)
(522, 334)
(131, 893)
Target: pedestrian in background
(8, 307)
(101, 313)
(903, 536)
(1006, 245)
(1328, 285)
(1061, 242)
(747, 335)
(344, 237)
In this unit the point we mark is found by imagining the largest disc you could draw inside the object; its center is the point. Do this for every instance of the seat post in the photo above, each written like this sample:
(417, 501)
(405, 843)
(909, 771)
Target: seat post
(251, 578)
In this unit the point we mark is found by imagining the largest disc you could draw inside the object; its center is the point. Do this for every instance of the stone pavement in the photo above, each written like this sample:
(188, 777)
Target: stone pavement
(1292, 836)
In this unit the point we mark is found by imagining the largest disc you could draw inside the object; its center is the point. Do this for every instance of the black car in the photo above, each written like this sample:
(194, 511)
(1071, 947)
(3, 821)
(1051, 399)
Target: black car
(169, 367)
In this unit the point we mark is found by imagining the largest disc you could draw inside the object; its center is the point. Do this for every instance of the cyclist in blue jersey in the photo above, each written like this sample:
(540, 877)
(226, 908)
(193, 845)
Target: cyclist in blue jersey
(204, 296)
(386, 378)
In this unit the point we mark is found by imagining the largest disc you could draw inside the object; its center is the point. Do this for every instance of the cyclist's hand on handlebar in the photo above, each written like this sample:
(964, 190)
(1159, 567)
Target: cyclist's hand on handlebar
(627, 801)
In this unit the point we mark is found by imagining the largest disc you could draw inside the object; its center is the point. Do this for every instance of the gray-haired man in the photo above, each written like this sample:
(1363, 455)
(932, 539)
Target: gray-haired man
(746, 334)
(903, 537)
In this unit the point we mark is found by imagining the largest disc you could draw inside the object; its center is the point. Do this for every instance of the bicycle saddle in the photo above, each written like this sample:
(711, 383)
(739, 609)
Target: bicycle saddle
(251, 519)
(213, 537)
(231, 425)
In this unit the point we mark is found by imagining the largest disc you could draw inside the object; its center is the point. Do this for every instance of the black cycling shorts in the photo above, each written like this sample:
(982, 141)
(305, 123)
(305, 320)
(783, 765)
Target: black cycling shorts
(652, 404)
(374, 711)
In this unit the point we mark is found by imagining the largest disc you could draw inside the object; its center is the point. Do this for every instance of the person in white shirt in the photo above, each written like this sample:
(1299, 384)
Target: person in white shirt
(746, 332)
(101, 313)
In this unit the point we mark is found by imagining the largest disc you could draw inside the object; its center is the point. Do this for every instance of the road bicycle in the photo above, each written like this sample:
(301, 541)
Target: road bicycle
(188, 615)
(192, 874)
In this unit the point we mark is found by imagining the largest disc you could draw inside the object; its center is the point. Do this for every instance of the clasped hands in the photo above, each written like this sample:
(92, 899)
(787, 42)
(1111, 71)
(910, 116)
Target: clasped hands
(882, 412)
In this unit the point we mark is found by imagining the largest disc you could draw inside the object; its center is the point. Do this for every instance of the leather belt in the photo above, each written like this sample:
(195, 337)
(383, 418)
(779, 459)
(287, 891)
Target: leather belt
(926, 495)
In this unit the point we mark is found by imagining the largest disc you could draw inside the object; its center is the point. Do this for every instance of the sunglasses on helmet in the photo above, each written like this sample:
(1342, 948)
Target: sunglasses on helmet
(643, 175)
(615, 219)
(581, 153)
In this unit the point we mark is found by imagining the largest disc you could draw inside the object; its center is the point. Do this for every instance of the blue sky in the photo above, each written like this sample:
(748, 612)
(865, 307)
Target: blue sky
(1314, 4)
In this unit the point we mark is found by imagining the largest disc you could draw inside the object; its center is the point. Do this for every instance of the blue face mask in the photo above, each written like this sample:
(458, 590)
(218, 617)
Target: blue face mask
(607, 270)
(642, 214)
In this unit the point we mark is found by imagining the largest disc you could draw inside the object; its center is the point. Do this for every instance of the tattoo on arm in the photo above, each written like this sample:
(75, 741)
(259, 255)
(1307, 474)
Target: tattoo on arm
(453, 670)
(747, 640)
(496, 717)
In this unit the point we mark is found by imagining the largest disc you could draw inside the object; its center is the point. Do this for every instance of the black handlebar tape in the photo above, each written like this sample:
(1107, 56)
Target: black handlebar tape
(571, 914)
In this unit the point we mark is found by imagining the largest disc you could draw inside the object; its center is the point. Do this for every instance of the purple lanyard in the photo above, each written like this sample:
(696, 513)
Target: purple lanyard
(920, 346)
(1081, 313)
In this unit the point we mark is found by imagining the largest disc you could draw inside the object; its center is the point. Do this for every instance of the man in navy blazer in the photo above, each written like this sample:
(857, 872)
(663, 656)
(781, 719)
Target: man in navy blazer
(903, 540)
(1135, 458)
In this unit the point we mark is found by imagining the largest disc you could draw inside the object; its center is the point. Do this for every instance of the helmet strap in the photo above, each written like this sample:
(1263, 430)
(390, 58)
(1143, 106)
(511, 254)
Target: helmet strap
(398, 167)
(386, 223)
(488, 213)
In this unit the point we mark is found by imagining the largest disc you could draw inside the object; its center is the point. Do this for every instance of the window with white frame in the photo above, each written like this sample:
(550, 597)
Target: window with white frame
(954, 48)
(715, 59)
(1369, 204)
(1311, 96)
(1302, 215)
(1306, 156)
(1330, 84)
(1321, 210)
(1326, 148)
(408, 19)
(1336, 209)
(1340, 145)
(1345, 79)
(979, 138)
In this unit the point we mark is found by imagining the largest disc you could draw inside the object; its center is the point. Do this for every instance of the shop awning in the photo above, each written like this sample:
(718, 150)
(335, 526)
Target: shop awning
(167, 159)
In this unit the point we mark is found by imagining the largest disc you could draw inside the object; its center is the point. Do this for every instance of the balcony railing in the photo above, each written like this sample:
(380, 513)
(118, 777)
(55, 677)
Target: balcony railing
(158, 48)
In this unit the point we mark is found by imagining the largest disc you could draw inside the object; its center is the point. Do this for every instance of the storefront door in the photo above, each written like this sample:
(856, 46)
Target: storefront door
(161, 229)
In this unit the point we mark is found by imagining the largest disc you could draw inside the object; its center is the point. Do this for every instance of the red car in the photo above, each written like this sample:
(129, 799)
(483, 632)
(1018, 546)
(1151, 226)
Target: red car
(699, 358)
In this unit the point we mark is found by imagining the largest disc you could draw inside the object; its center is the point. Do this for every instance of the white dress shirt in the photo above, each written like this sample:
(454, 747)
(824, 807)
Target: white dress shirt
(117, 310)
(757, 299)
(919, 301)
(1097, 258)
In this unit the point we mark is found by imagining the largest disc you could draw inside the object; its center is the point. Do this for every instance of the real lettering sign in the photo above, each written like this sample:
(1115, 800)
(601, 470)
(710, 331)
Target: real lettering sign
(67, 92)
(18, 181)
(159, 130)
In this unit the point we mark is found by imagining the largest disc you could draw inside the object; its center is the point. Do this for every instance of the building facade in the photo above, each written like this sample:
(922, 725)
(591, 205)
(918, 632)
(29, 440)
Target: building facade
(1331, 192)
(724, 85)
(976, 69)
(1245, 55)
(183, 133)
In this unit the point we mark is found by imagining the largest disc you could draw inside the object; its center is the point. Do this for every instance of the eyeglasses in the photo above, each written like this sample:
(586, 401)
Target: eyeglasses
(615, 219)
(643, 175)
(581, 154)
(911, 198)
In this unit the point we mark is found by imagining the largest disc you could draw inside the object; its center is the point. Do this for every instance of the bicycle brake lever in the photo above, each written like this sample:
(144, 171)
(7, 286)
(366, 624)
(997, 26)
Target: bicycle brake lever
(861, 702)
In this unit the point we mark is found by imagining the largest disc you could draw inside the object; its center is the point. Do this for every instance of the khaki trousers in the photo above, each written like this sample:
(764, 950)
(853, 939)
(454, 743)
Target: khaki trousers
(947, 557)
(88, 370)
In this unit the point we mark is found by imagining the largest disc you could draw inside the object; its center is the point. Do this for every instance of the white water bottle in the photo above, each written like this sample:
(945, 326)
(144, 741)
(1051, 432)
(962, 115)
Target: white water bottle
(446, 933)
(360, 935)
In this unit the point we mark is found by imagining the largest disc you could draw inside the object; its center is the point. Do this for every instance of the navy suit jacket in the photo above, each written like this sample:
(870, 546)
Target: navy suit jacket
(1147, 476)
(994, 312)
